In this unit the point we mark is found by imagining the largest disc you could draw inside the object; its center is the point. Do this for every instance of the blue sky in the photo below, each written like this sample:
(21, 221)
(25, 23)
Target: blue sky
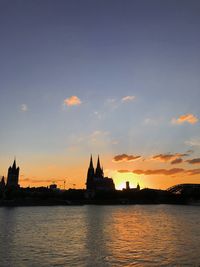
(100, 52)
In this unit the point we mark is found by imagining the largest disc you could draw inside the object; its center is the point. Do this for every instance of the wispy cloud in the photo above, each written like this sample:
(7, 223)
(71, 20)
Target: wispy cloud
(170, 157)
(72, 101)
(193, 161)
(173, 158)
(193, 172)
(128, 98)
(166, 172)
(97, 140)
(125, 157)
(24, 107)
(97, 135)
(193, 142)
(110, 100)
(152, 121)
(111, 104)
(157, 171)
(98, 114)
(189, 118)
(40, 181)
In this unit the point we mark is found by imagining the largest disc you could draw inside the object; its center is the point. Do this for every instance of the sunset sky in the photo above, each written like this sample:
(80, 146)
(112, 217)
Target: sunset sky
(111, 77)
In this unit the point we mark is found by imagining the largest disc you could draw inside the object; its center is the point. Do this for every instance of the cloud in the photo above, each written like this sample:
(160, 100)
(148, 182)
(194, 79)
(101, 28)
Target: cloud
(169, 157)
(173, 158)
(111, 104)
(97, 135)
(24, 107)
(157, 171)
(128, 98)
(98, 114)
(160, 171)
(72, 101)
(125, 157)
(193, 142)
(150, 121)
(39, 181)
(189, 118)
(193, 161)
(193, 172)
(177, 161)
(97, 140)
(190, 151)
(167, 172)
(124, 171)
(110, 100)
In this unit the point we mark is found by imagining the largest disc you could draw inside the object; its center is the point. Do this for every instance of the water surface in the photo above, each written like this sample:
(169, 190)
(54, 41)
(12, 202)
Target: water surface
(137, 235)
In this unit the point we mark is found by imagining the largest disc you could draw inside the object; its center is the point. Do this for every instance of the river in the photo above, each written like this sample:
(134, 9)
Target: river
(135, 235)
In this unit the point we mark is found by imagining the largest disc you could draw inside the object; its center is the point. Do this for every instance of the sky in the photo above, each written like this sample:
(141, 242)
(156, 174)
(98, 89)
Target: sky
(116, 78)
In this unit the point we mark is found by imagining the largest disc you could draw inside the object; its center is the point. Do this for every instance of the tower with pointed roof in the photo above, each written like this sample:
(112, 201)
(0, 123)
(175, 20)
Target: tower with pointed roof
(2, 184)
(96, 180)
(90, 175)
(13, 176)
(99, 170)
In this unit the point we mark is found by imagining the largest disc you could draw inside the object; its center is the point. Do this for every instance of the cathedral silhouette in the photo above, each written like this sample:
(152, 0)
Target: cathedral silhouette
(12, 178)
(96, 180)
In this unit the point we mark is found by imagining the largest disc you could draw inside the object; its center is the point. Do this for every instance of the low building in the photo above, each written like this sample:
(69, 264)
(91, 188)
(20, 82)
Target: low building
(128, 188)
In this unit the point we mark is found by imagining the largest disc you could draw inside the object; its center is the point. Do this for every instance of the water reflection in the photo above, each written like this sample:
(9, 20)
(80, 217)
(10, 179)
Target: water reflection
(8, 232)
(100, 236)
(97, 236)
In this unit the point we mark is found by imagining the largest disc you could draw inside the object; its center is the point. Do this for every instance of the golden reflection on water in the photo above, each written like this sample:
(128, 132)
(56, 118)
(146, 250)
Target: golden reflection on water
(138, 235)
(141, 235)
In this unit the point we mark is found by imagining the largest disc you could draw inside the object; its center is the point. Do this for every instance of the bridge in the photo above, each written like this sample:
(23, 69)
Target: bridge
(186, 188)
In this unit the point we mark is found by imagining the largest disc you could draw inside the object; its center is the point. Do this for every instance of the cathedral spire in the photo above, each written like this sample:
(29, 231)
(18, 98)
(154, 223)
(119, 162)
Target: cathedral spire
(91, 163)
(99, 172)
(98, 163)
(90, 175)
(14, 164)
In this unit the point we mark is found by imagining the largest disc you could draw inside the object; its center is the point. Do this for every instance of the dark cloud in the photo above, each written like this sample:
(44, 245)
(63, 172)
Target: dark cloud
(177, 161)
(124, 171)
(160, 171)
(125, 157)
(169, 157)
(190, 151)
(173, 158)
(193, 161)
(168, 172)
(38, 181)
(193, 172)
(156, 171)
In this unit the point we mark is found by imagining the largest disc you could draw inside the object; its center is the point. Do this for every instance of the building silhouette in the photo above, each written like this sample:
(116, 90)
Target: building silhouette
(2, 184)
(96, 180)
(13, 176)
(128, 188)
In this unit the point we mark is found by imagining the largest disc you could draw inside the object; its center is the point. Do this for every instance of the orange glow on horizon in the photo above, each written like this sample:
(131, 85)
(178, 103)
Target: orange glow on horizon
(68, 172)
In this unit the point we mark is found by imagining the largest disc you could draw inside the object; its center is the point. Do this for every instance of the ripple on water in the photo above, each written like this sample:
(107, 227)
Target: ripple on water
(152, 235)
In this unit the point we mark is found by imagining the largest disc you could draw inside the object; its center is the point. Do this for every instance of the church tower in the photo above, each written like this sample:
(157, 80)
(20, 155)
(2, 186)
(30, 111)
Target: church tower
(96, 180)
(99, 170)
(2, 184)
(13, 176)
(90, 175)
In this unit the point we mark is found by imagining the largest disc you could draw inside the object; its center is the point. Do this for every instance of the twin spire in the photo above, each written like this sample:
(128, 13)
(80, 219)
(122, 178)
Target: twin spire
(99, 170)
(98, 162)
